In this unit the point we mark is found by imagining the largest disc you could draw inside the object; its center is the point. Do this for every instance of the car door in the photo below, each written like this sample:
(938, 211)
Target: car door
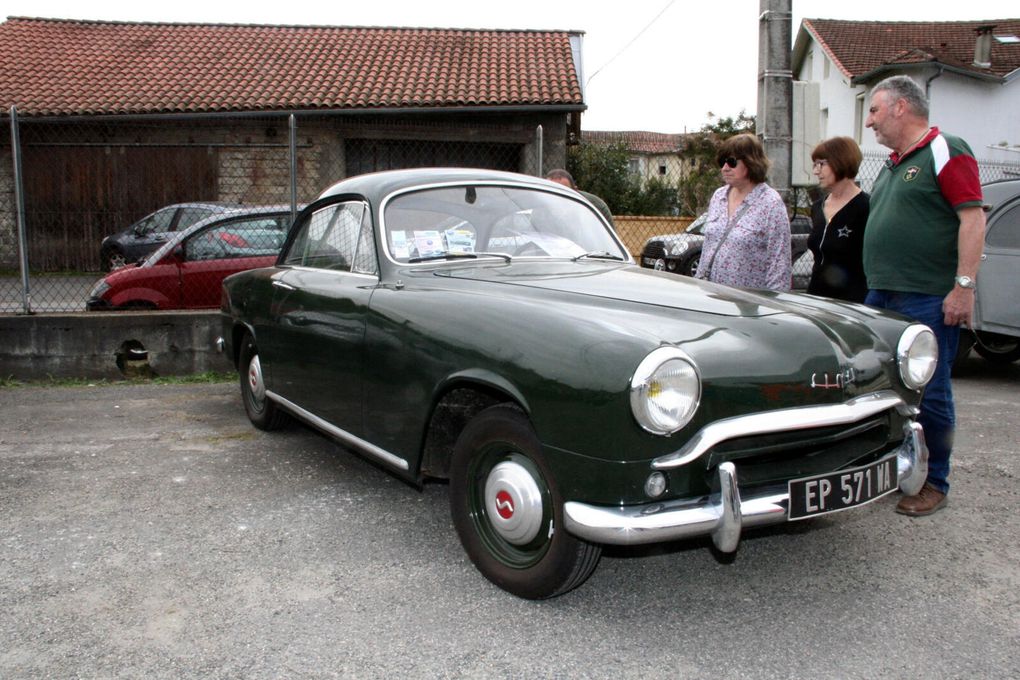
(999, 277)
(149, 233)
(316, 335)
(225, 248)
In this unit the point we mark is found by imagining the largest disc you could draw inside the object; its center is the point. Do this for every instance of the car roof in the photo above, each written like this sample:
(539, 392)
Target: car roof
(225, 216)
(377, 185)
(997, 193)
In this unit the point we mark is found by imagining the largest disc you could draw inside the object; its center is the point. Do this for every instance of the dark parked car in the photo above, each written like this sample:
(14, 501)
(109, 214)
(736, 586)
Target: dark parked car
(490, 329)
(187, 270)
(680, 253)
(996, 323)
(152, 231)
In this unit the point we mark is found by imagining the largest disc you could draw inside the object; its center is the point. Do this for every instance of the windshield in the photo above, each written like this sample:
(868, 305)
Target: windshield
(478, 220)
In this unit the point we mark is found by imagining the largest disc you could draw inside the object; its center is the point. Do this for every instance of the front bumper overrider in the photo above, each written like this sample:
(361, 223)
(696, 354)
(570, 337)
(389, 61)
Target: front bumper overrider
(723, 515)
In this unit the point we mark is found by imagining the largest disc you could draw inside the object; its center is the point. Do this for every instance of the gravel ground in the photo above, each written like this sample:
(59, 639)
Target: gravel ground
(150, 531)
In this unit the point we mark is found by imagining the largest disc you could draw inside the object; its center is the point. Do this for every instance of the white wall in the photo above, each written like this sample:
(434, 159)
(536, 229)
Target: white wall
(982, 113)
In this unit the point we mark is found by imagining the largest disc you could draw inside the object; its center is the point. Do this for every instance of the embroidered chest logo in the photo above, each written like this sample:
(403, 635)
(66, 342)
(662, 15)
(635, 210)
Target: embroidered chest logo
(844, 232)
(911, 173)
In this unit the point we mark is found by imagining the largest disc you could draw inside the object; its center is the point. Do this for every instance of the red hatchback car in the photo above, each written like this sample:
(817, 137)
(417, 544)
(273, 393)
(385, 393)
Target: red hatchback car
(186, 271)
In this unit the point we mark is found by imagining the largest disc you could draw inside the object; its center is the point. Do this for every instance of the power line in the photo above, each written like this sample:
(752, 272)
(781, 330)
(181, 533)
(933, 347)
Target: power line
(632, 41)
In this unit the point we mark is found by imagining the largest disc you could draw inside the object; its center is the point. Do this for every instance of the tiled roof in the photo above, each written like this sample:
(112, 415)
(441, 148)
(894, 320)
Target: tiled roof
(859, 48)
(636, 142)
(61, 67)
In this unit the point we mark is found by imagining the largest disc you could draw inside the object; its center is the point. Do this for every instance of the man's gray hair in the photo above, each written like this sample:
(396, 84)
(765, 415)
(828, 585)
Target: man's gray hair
(904, 87)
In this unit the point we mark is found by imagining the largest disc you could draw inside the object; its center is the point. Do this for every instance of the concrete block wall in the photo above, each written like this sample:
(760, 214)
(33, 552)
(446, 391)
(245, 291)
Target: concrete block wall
(94, 345)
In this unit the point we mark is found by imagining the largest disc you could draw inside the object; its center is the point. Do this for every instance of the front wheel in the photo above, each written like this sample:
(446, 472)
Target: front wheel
(508, 512)
(262, 412)
(997, 348)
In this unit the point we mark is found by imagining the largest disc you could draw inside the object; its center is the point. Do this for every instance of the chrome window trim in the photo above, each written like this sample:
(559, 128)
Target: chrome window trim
(782, 420)
(341, 435)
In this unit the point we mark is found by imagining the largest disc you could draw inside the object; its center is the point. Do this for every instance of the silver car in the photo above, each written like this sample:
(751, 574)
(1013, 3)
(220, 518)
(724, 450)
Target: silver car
(996, 335)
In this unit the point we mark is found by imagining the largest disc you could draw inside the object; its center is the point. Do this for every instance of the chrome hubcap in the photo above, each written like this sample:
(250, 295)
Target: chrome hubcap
(660, 264)
(513, 502)
(255, 383)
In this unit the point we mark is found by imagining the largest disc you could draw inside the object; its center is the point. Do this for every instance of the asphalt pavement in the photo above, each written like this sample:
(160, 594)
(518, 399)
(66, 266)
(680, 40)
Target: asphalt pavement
(150, 532)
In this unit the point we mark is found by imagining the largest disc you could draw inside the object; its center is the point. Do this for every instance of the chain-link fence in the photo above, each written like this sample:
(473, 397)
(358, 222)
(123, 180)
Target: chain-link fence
(104, 193)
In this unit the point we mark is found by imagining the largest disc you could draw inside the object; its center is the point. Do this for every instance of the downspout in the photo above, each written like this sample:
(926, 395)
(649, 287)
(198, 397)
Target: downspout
(927, 83)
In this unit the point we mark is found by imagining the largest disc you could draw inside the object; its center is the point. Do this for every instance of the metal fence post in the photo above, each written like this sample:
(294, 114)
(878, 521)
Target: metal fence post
(19, 204)
(293, 167)
(538, 152)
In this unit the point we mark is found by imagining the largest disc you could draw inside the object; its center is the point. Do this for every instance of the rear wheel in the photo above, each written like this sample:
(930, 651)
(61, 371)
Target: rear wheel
(996, 348)
(690, 265)
(508, 512)
(262, 412)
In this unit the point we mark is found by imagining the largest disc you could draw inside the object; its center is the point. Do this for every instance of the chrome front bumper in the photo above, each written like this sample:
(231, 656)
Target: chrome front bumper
(722, 515)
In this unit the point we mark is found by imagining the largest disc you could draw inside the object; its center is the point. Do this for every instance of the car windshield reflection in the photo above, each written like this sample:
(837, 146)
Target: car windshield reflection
(451, 223)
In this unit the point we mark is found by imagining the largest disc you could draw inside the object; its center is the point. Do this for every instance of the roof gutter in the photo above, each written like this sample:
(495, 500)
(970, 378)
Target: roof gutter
(388, 111)
(893, 69)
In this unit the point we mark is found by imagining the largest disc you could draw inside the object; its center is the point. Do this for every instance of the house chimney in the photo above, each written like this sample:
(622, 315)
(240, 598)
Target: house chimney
(983, 47)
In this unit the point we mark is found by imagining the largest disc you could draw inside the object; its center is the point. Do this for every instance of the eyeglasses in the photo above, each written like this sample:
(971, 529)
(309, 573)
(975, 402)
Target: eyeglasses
(820, 163)
(730, 161)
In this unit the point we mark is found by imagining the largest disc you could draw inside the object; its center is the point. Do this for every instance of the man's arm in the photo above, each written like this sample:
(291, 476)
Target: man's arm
(958, 306)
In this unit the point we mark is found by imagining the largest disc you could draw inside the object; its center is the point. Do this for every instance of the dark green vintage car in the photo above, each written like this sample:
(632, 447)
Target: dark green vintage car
(490, 329)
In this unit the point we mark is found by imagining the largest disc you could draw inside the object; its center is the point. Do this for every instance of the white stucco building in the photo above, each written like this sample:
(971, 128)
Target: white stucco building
(970, 70)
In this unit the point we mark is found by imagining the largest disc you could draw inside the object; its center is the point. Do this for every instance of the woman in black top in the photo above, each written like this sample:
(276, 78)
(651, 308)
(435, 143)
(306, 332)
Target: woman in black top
(837, 232)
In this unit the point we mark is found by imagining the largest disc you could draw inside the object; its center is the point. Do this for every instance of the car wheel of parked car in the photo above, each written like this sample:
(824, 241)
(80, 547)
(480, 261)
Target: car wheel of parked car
(508, 512)
(262, 412)
(996, 348)
(690, 265)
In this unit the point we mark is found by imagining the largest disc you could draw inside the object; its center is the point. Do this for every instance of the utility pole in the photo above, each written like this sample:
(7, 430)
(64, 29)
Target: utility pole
(774, 122)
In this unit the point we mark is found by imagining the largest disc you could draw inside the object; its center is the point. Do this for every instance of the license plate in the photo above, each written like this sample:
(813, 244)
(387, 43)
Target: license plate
(822, 494)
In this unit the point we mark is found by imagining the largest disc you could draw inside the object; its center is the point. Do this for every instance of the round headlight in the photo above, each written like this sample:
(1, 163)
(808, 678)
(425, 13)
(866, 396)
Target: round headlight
(681, 248)
(97, 290)
(665, 391)
(917, 354)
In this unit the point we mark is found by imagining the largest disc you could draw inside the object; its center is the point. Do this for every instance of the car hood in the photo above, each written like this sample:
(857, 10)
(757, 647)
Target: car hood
(627, 283)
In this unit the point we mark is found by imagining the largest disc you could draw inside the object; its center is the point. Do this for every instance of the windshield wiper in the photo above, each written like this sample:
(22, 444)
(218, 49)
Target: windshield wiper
(602, 255)
(457, 256)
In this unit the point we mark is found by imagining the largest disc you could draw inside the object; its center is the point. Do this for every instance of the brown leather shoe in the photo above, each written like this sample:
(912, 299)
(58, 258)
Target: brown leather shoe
(928, 500)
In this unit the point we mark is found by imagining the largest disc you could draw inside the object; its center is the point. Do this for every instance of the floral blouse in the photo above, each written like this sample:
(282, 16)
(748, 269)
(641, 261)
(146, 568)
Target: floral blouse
(756, 251)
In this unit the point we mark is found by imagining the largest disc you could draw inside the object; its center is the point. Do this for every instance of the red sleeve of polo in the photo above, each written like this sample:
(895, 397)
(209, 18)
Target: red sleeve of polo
(959, 181)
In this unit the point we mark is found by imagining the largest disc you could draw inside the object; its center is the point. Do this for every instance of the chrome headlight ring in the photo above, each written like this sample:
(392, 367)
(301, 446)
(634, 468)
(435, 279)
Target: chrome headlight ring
(917, 354)
(665, 391)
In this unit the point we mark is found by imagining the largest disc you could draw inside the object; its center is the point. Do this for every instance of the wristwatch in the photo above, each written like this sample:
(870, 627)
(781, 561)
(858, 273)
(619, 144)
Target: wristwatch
(966, 282)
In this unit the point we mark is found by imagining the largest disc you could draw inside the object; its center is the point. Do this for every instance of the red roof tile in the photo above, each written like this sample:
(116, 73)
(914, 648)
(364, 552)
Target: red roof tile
(861, 47)
(637, 142)
(60, 67)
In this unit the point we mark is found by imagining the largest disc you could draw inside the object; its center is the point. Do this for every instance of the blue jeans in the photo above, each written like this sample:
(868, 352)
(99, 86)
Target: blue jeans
(938, 416)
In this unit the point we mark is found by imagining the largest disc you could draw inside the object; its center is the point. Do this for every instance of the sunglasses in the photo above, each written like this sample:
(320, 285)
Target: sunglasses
(730, 161)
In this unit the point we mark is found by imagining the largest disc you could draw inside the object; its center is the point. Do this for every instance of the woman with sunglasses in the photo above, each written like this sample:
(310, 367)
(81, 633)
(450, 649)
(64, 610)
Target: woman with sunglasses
(747, 232)
(838, 219)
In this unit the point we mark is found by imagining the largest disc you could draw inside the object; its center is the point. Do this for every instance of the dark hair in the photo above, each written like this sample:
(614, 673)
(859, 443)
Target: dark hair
(746, 147)
(560, 173)
(842, 154)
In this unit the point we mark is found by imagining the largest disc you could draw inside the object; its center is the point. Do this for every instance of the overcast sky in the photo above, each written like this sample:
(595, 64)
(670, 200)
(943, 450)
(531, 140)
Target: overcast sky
(657, 65)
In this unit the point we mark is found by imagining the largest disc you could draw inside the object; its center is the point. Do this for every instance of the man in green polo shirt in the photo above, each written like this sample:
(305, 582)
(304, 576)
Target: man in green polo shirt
(922, 248)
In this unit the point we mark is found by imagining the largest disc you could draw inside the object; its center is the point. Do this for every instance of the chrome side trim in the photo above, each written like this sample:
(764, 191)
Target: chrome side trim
(723, 515)
(341, 435)
(783, 420)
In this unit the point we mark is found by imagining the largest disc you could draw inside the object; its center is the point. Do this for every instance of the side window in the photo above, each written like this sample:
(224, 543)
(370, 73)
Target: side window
(191, 215)
(365, 261)
(329, 239)
(158, 221)
(251, 237)
(1005, 231)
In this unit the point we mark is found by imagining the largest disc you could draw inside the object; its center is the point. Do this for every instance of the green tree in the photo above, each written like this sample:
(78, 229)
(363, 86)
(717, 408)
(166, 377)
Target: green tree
(604, 170)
